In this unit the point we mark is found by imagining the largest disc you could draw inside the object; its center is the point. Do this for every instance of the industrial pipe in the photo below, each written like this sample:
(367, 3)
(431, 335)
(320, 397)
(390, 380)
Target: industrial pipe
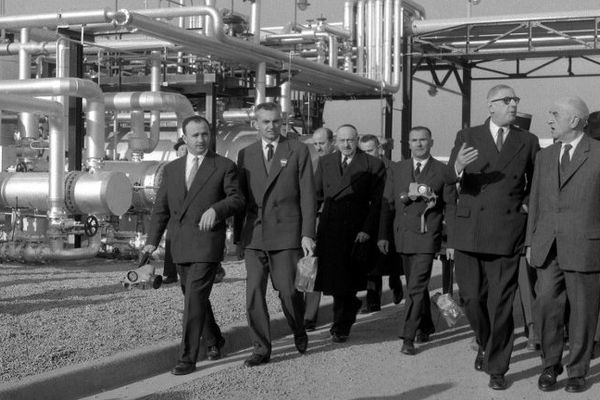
(28, 125)
(33, 48)
(360, 37)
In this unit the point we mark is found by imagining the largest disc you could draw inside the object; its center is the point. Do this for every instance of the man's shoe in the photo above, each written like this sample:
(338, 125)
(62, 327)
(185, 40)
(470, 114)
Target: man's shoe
(338, 338)
(310, 325)
(478, 364)
(497, 382)
(369, 308)
(183, 368)
(398, 295)
(422, 338)
(576, 385)
(408, 348)
(256, 359)
(301, 343)
(169, 279)
(214, 352)
(547, 380)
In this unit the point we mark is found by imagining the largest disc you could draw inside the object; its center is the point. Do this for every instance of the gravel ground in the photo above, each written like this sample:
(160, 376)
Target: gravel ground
(52, 316)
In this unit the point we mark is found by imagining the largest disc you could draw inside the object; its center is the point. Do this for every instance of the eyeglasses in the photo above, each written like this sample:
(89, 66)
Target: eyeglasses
(506, 100)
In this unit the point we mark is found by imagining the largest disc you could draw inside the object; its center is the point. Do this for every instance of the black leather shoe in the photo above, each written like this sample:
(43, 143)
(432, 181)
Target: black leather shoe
(183, 368)
(478, 364)
(169, 279)
(256, 359)
(301, 343)
(422, 338)
(408, 348)
(497, 382)
(398, 295)
(547, 380)
(576, 385)
(214, 352)
(338, 338)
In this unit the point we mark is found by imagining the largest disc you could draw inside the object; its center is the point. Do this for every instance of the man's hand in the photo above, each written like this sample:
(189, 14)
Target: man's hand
(528, 254)
(466, 155)
(208, 220)
(450, 254)
(384, 246)
(308, 246)
(149, 248)
(362, 237)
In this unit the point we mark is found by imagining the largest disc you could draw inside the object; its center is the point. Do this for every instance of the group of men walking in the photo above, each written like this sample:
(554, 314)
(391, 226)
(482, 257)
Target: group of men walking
(354, 209)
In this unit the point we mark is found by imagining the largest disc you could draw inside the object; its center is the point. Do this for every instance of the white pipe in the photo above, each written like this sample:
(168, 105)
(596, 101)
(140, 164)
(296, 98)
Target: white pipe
(210, 24)
(360, 37)
(387, 40)
(377, 21)
(255, 11)
(33, 48)
(349, 19)
(55, 251)
(53, 20)
(260, 84)
(155, 81)
(28, 125)
(160, 101)
(369, 10)
(286, 98)
(333, 51)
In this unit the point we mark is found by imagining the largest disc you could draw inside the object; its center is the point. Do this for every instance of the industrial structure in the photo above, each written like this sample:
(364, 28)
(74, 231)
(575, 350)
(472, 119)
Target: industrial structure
(92, 101)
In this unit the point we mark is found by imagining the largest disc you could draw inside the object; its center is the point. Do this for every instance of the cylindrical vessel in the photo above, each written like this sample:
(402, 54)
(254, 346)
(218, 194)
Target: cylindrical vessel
(102, 193)
(145, 176)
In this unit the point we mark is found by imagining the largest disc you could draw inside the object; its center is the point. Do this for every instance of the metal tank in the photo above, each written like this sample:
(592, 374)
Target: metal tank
(102, 193)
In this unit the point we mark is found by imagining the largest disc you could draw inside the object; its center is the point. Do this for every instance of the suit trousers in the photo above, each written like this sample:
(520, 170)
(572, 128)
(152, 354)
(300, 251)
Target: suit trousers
(487, 285)
(375, 287)
(311, 302)
(281, 265)
(417, 269)
(198, 318)
(554, 288)
(345, 307)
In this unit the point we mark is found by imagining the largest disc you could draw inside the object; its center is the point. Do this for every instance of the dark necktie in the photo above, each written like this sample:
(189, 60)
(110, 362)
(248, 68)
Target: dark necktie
(418, 170)
(499, 139)
(192, 174)
(344, 163)
(269, 152)
(565, 160)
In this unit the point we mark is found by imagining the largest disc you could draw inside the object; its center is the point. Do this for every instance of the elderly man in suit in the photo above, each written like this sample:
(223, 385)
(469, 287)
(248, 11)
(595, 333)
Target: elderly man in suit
(563, 238)
(417, 225)
(276, 228)
(197, 194)
(349, 186)
(493, 163)
(384, 264)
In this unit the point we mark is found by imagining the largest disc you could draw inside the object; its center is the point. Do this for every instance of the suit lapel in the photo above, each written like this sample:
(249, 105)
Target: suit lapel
(179, 179)
(554, 152)
(206, 169)
(579, 157)
(485, 144)
(356, 168)
(512, 145)
(283, 152)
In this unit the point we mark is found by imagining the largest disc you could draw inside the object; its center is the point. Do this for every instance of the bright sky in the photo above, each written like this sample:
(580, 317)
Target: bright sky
(440, 113)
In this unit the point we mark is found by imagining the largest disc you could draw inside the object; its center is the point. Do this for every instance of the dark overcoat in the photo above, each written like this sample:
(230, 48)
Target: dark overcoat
(351, 204)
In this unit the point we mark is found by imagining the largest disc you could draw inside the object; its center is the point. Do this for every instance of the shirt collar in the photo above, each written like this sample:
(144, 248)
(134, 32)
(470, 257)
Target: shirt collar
(423, 162)
(274, 143)
(494, 130)
(573, 143)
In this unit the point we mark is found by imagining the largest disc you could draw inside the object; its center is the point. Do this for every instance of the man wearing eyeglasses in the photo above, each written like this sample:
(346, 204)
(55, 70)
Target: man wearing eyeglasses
(493, 164)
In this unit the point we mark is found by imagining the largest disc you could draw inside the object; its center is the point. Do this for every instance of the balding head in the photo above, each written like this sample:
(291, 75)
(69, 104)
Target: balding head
(568, 117)
(346, 137)
(323, 141)
(576, 106)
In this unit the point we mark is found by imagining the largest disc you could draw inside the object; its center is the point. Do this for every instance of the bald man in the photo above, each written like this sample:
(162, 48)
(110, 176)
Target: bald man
(323, 141)
(563, 243)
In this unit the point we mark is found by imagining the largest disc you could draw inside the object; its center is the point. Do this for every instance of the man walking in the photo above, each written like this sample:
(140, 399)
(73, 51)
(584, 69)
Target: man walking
(563, 235)
(493, 163)
(197, 194)
(276, 228)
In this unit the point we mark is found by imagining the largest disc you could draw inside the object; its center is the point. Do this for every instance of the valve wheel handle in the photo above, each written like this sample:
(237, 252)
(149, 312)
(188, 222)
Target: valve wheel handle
(91, 226)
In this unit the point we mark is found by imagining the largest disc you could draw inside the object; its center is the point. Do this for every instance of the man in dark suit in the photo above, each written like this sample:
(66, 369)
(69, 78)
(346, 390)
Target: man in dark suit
(276, 227)
(384, 264)
(349, 185)
(196, 195)
(563, 233)
(493, 164)
(417, 226)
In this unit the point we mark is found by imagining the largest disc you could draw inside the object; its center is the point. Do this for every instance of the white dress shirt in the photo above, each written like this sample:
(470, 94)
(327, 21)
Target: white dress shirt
(189, 161)
(573, 143)
(265, 149)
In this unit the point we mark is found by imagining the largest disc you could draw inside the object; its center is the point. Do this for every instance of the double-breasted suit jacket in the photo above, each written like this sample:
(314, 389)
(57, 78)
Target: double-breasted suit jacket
(281, 206)
(406, 217)
(215, 185)
(489, 216)
(566, 211)
(351, 204)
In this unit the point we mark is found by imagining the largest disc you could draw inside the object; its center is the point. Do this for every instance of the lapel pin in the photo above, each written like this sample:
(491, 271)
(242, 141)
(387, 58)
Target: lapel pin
(283, 162)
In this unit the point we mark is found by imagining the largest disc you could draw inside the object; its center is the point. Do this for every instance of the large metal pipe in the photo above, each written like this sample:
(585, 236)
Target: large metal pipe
(69, 87)
(236, 48)
(360, 37)
(28, 125)
(155, 81)
(387, 40)
(349, 6)
(53, 20)
(369, 38)
(33, 48)
(378, 29)
(333, 51)
(153, 101)
(55, 251)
